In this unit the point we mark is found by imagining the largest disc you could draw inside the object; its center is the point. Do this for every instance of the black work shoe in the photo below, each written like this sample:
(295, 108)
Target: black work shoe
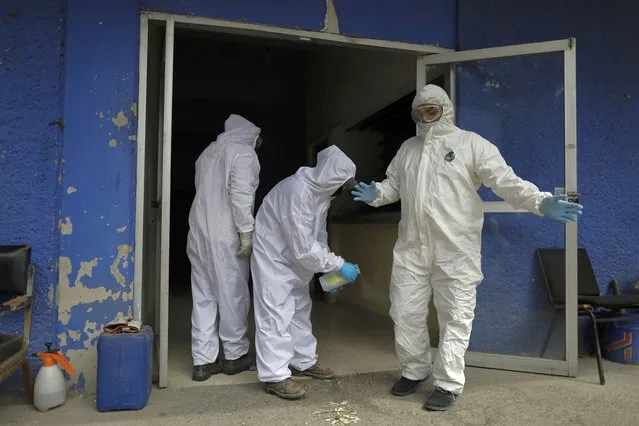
(405, 386)
(236, 366)
(440, 400)
(203, 372)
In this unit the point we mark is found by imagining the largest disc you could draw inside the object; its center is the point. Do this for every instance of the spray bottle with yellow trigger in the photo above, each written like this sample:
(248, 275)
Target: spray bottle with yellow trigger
(50, 389)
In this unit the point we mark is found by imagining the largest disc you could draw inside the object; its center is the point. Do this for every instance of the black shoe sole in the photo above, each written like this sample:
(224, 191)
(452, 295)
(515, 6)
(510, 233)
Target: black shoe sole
(435, 408)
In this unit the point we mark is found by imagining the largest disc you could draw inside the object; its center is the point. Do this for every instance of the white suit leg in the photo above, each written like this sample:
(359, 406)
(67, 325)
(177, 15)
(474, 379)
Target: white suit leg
(409, 296)
(455, 296)
(274, 310)
(204, 338)
(233, 297)
(304, 343)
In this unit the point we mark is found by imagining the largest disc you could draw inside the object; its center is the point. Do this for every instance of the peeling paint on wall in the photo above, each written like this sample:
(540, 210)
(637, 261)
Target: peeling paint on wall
(71, 190)
(122, 258)
(62, 339)
(120, 120)
(113, 143)
(71, 296)
(66, 227)
(331, 21)
(74, 335)
(121, 229)
(134, 109)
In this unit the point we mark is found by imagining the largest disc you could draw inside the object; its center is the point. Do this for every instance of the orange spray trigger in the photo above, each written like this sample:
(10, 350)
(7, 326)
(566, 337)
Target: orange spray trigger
(50, 358)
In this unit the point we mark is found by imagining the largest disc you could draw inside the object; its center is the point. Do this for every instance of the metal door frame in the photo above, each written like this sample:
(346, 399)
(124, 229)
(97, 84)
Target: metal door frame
(568, 366)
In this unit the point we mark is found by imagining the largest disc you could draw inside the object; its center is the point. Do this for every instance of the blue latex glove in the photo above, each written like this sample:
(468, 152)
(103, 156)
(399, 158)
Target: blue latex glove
(349, 271)
(366, 193)
(557, 209)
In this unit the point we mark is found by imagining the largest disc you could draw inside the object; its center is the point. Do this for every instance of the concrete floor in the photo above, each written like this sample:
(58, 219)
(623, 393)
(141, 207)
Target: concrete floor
(491, 398)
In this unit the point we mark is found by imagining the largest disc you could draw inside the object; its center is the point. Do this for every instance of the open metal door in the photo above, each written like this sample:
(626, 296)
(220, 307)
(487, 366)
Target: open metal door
(569, 365)
(153, 188)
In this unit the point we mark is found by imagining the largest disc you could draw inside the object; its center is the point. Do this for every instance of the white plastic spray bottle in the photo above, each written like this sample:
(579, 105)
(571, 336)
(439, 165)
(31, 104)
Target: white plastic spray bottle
(50, 388)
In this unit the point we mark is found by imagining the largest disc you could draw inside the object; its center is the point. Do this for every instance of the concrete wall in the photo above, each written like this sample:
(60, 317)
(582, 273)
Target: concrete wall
(518, 104)
(31, 103)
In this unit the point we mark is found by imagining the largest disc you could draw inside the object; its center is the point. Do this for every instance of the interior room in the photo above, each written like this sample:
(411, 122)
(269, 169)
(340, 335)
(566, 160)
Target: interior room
(304, 97)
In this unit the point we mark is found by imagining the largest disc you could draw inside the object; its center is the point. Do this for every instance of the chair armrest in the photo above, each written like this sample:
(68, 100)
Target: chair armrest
(614, 286)
(15, 304)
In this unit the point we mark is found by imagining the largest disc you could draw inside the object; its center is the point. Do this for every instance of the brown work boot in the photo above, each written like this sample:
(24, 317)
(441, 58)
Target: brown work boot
(286, 389)
(315, 372)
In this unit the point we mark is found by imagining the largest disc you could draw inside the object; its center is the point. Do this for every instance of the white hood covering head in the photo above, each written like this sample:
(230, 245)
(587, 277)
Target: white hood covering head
(432, 94)
(333, 170)
(239, 129)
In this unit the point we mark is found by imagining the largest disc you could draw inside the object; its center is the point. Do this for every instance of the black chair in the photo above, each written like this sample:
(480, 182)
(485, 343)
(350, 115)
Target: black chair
(16, 294)
(600, 309)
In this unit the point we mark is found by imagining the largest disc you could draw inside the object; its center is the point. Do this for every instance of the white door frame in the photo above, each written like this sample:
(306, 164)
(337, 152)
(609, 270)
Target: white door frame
(568, 366)
(221, 26)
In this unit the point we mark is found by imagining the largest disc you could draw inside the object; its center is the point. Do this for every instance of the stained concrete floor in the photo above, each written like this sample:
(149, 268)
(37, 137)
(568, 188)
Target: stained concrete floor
(491, 398)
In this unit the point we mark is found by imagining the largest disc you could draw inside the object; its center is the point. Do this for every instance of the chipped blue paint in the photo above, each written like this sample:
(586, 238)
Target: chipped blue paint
(525, 119)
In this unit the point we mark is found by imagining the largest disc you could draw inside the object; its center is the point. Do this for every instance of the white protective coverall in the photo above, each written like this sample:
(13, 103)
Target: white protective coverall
(290, 245)
(438, 249)
(226, 178)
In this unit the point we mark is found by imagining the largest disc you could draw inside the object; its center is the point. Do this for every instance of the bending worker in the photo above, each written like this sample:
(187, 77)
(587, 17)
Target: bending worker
(290, 246)
(438, 249)
(219, 246)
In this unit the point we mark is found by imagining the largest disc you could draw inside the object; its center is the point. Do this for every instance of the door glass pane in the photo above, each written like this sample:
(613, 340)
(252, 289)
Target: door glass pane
(517, 103)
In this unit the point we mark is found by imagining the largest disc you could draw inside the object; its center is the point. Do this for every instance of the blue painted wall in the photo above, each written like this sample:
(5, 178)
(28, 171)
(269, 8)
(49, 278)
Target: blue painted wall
(518, 104)
(31, 96)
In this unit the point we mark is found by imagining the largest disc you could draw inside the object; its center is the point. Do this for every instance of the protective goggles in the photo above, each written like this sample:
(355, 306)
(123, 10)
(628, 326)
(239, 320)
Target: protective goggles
(427, 113)
(348, 186)
(258, 142)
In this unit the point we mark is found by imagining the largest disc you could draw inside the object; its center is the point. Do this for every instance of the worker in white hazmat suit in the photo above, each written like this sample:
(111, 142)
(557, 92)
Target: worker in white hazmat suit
(290, 246)
(219, 247)
(436, 175)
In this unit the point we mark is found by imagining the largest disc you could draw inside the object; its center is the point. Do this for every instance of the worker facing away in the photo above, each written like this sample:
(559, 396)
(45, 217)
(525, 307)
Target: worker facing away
(219, 247)
(290, 246)
(438, 250)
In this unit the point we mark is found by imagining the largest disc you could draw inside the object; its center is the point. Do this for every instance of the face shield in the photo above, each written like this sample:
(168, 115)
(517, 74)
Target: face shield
(348, 186)
(427, 113)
